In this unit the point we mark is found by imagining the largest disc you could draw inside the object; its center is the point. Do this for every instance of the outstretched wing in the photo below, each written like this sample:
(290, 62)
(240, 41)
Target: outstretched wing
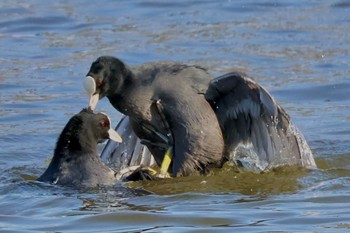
(128, 153)
(258, 133)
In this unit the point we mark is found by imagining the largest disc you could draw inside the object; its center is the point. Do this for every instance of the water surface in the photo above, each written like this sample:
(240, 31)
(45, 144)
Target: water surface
(299, 50)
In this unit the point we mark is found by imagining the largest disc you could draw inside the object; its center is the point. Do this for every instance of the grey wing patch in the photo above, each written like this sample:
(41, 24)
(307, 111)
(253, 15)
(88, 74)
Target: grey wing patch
(307, 157)
(268, 102)
(233, 94)
(128, 153)
(245, 106)
(241, 94)
(257, 131)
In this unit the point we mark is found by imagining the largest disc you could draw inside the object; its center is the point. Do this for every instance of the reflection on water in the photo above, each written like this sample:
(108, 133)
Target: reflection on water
(299, 50)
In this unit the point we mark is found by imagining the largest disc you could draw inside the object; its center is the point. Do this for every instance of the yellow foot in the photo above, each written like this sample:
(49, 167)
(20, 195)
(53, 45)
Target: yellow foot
(166, 163)
(149, 173)
(163, 173)
(155, 173)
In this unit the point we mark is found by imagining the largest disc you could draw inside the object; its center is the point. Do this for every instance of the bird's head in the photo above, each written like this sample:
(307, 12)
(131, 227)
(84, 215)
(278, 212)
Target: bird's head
(105, 77)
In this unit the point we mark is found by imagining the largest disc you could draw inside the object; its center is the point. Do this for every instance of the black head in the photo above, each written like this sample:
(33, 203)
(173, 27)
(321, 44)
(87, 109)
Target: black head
(97, 126)
(105, 77)
(84, 130)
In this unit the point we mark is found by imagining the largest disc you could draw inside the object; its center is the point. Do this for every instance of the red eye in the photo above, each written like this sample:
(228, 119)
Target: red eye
(104, 123)
(99, 83)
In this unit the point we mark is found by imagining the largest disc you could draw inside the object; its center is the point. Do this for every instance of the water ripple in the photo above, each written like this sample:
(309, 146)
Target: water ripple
(299, 50)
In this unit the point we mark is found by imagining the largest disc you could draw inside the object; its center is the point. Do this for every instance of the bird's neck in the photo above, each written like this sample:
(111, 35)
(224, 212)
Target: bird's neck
(67, 148)
(122, 97)
(120, 84)
(73, 145)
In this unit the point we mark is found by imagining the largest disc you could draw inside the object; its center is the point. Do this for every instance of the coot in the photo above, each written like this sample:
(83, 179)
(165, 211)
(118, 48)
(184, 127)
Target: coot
(203, 121)
(76, 161)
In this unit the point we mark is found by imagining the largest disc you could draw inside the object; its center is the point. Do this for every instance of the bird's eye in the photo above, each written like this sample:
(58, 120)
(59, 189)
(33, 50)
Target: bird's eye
(104, 123)
(99, 83)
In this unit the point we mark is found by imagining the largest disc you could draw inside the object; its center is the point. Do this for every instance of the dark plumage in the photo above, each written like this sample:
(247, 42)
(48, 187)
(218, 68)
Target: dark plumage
(76, 161)
(206, 121)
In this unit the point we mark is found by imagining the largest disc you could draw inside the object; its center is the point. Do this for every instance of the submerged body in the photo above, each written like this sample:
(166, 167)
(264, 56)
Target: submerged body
(207, 121)
(76, 161)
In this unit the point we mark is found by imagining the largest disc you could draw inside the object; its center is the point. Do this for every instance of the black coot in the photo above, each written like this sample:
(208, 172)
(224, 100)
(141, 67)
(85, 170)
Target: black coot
(76, 161)
(204, 120)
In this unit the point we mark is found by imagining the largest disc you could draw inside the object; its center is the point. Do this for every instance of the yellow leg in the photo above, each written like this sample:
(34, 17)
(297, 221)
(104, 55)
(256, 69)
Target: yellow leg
(152, 171)
(166, 163)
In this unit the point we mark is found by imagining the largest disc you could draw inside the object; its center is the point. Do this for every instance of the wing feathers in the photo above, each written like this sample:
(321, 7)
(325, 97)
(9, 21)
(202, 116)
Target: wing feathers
(250, 118)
